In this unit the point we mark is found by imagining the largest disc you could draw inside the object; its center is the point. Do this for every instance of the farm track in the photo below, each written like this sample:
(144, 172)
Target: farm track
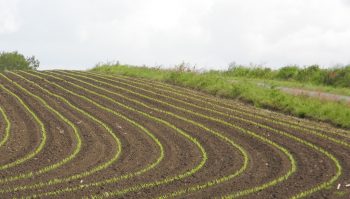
(126, 137)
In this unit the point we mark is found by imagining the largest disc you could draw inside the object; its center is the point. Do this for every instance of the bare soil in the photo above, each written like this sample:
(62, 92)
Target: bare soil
(266, 162)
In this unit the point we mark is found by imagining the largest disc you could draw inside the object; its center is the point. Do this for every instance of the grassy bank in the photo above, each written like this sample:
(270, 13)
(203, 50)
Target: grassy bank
(221, 84)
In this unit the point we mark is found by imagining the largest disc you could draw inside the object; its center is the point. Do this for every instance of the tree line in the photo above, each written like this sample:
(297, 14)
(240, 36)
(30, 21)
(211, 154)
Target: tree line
(336, 76)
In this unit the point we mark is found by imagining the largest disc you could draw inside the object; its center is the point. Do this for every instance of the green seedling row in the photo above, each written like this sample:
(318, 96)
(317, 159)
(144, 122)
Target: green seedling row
(43, 134)
(205, 128)
(261, 138)
(191, 94)
(66, 160)
(7, 129)
(101, 85)
(129, 175)
(238, 108)
(305, 193)
(41, 146)
(78, 176)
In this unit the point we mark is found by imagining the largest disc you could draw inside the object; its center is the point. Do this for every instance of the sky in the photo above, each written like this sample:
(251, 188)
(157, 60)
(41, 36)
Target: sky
(210, 34)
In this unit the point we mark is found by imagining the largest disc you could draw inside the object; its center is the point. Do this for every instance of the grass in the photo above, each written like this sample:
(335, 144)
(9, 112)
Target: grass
(217, 83)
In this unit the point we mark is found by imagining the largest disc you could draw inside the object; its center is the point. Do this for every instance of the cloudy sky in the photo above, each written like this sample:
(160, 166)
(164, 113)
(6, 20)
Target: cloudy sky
(76, 34)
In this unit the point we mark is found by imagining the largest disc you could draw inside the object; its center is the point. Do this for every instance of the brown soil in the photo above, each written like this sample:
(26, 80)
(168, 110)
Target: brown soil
(266, 162)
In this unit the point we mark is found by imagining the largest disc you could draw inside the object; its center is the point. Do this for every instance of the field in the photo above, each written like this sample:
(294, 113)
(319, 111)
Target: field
(71, 134)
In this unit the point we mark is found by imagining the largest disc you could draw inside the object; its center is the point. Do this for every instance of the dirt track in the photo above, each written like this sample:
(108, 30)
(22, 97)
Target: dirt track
(123, 137)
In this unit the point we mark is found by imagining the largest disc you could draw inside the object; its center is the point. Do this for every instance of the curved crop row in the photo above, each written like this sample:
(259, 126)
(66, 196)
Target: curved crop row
(261, 138)
(192, 116)
(130, 175)
(329, 155)
(7, 128)
(38, 149)
(326, 153)
(76, 151)
(191, 94)
(168, 180)
(302, 194)
(202, 100)
(78, 176)
(323, 136)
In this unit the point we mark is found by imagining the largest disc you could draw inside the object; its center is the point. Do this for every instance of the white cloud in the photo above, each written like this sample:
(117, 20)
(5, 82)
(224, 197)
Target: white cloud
(9, 21)
(208, 33)
(280, 32)
(83, 35)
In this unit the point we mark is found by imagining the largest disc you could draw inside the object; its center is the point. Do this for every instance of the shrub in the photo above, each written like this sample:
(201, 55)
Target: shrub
(17, 61)
(288, 72)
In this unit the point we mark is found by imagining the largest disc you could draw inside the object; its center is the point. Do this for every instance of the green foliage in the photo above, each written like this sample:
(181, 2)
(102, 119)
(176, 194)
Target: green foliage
(288, 73)
(33, 63)
(339, 77)
(335, 77)
(252, 72)
(133, 71)
(17, 61)
(310, 74)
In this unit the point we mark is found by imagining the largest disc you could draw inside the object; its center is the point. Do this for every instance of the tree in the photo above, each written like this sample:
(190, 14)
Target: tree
(17, 61)
(33, 62)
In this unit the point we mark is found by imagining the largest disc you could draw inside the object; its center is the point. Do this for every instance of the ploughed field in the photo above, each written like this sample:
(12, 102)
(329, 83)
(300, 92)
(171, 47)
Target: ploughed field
(71, 134)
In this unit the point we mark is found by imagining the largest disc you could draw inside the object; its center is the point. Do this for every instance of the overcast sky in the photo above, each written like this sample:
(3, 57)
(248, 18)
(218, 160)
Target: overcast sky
(76, 34)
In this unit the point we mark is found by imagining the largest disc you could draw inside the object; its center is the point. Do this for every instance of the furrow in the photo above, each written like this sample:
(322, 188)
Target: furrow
(129, 175)
(42, 130)
(56, 181)
(7, 129)
(76, 151)
(166, 180)
(312, 146)
(343, 139)
(240, 108)
(293, 165)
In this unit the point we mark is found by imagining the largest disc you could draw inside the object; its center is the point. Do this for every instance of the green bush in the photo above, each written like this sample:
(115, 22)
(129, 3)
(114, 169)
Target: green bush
(341, 77)
(288, 73)
(310, 74)
(313, 74)
(251, 72)
(17, 61)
